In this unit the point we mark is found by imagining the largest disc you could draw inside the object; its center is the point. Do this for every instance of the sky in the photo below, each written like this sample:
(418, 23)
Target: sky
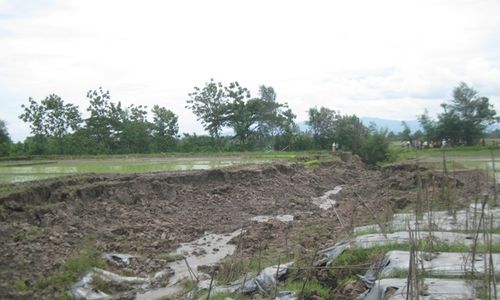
(386, 59)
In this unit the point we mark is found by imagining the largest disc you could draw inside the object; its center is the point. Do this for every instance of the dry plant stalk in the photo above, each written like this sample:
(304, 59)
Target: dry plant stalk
(412, 288)
(190, 271)
(382, 227)
(418, 205)
(276, 279)
(309, 271)
(212, 275)
(493, 278)
(430, 218)
(494, 177)
(476, 235)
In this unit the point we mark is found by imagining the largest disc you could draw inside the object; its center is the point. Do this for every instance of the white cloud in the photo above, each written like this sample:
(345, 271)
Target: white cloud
(388, 59)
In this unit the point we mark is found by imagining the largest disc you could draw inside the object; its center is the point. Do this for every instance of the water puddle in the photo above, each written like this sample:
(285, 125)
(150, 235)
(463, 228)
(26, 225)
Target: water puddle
(207, 250)
(325, 202)
(264, 219)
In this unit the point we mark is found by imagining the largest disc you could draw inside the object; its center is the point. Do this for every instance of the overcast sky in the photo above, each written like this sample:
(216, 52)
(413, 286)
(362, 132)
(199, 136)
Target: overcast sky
(387, 59)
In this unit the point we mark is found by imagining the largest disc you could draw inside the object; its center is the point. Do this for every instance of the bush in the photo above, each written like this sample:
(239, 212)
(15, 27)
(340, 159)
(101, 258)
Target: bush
(374, 147)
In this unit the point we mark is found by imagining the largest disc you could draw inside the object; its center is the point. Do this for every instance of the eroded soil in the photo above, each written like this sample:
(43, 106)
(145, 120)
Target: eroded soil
(149, 215)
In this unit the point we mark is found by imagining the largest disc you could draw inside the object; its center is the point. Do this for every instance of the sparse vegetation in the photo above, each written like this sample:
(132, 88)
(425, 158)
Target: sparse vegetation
(312, 288)
(73, 268)
(21, 286)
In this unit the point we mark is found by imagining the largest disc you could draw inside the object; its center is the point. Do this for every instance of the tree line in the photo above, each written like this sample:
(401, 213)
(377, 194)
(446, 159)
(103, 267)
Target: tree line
(234, 120)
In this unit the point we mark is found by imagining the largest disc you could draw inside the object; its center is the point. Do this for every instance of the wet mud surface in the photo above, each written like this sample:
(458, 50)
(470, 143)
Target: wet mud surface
(150, 215)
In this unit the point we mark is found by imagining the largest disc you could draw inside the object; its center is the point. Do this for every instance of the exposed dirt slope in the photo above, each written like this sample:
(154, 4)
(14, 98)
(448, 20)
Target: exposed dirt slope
(149, 214)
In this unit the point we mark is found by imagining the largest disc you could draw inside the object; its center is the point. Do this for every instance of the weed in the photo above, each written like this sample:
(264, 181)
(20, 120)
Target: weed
(235, 268)
(222, 296)
(100, 284)
(316, 229)
(346, 279)
(34, 231)
(368, 230)
(65, 296)
(169, 257)
(312, 288)
(19, 236)
(73, 268)
(188, 285)
(311, 163)
(21, 286)
(398, 273)
(7, 189)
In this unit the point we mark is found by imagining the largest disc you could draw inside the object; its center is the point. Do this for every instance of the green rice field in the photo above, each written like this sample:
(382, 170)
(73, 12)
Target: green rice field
(20, 171)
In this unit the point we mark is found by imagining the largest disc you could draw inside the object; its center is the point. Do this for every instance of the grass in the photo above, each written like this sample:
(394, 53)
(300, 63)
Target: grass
(371, 230)
(21, 286)
(312, 288)
(468, 157)
(311, 163)
(234, 268)
(355, 258)
(188, 285)
(169, 257)
(222, 296)
(74, 268)
(7, 189)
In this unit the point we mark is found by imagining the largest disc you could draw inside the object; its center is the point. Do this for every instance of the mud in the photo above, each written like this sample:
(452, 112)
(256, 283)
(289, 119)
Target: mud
(149, 215)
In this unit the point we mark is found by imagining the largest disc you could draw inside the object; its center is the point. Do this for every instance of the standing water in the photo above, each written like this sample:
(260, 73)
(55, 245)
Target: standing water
(207, 250)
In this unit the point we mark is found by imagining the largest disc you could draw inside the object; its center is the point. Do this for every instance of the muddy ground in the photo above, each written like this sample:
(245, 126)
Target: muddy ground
(151, 214)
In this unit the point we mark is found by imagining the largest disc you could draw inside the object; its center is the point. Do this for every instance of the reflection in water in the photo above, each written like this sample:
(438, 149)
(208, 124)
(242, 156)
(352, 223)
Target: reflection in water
(20, 173)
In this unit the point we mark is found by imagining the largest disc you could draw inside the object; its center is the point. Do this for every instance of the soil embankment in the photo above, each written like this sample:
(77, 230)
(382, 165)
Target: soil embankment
(151, 214)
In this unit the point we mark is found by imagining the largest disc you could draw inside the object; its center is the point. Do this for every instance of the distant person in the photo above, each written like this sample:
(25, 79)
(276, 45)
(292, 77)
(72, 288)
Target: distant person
(334, 147)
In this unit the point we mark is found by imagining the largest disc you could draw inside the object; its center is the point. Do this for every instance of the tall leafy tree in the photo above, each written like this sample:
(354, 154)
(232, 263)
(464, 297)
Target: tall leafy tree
(286, 128)
(350, 132)
(164, 128)
(464, 119)
(429, 126)
(242, 112)
(5, 141)
(104, 125)
(449, 126)
(259, 119)
(322, 123)
(209, 104)
(51, 118)
(406, 133)
(269, 121)
(275, 119)
(135, 136)
(474, 111)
